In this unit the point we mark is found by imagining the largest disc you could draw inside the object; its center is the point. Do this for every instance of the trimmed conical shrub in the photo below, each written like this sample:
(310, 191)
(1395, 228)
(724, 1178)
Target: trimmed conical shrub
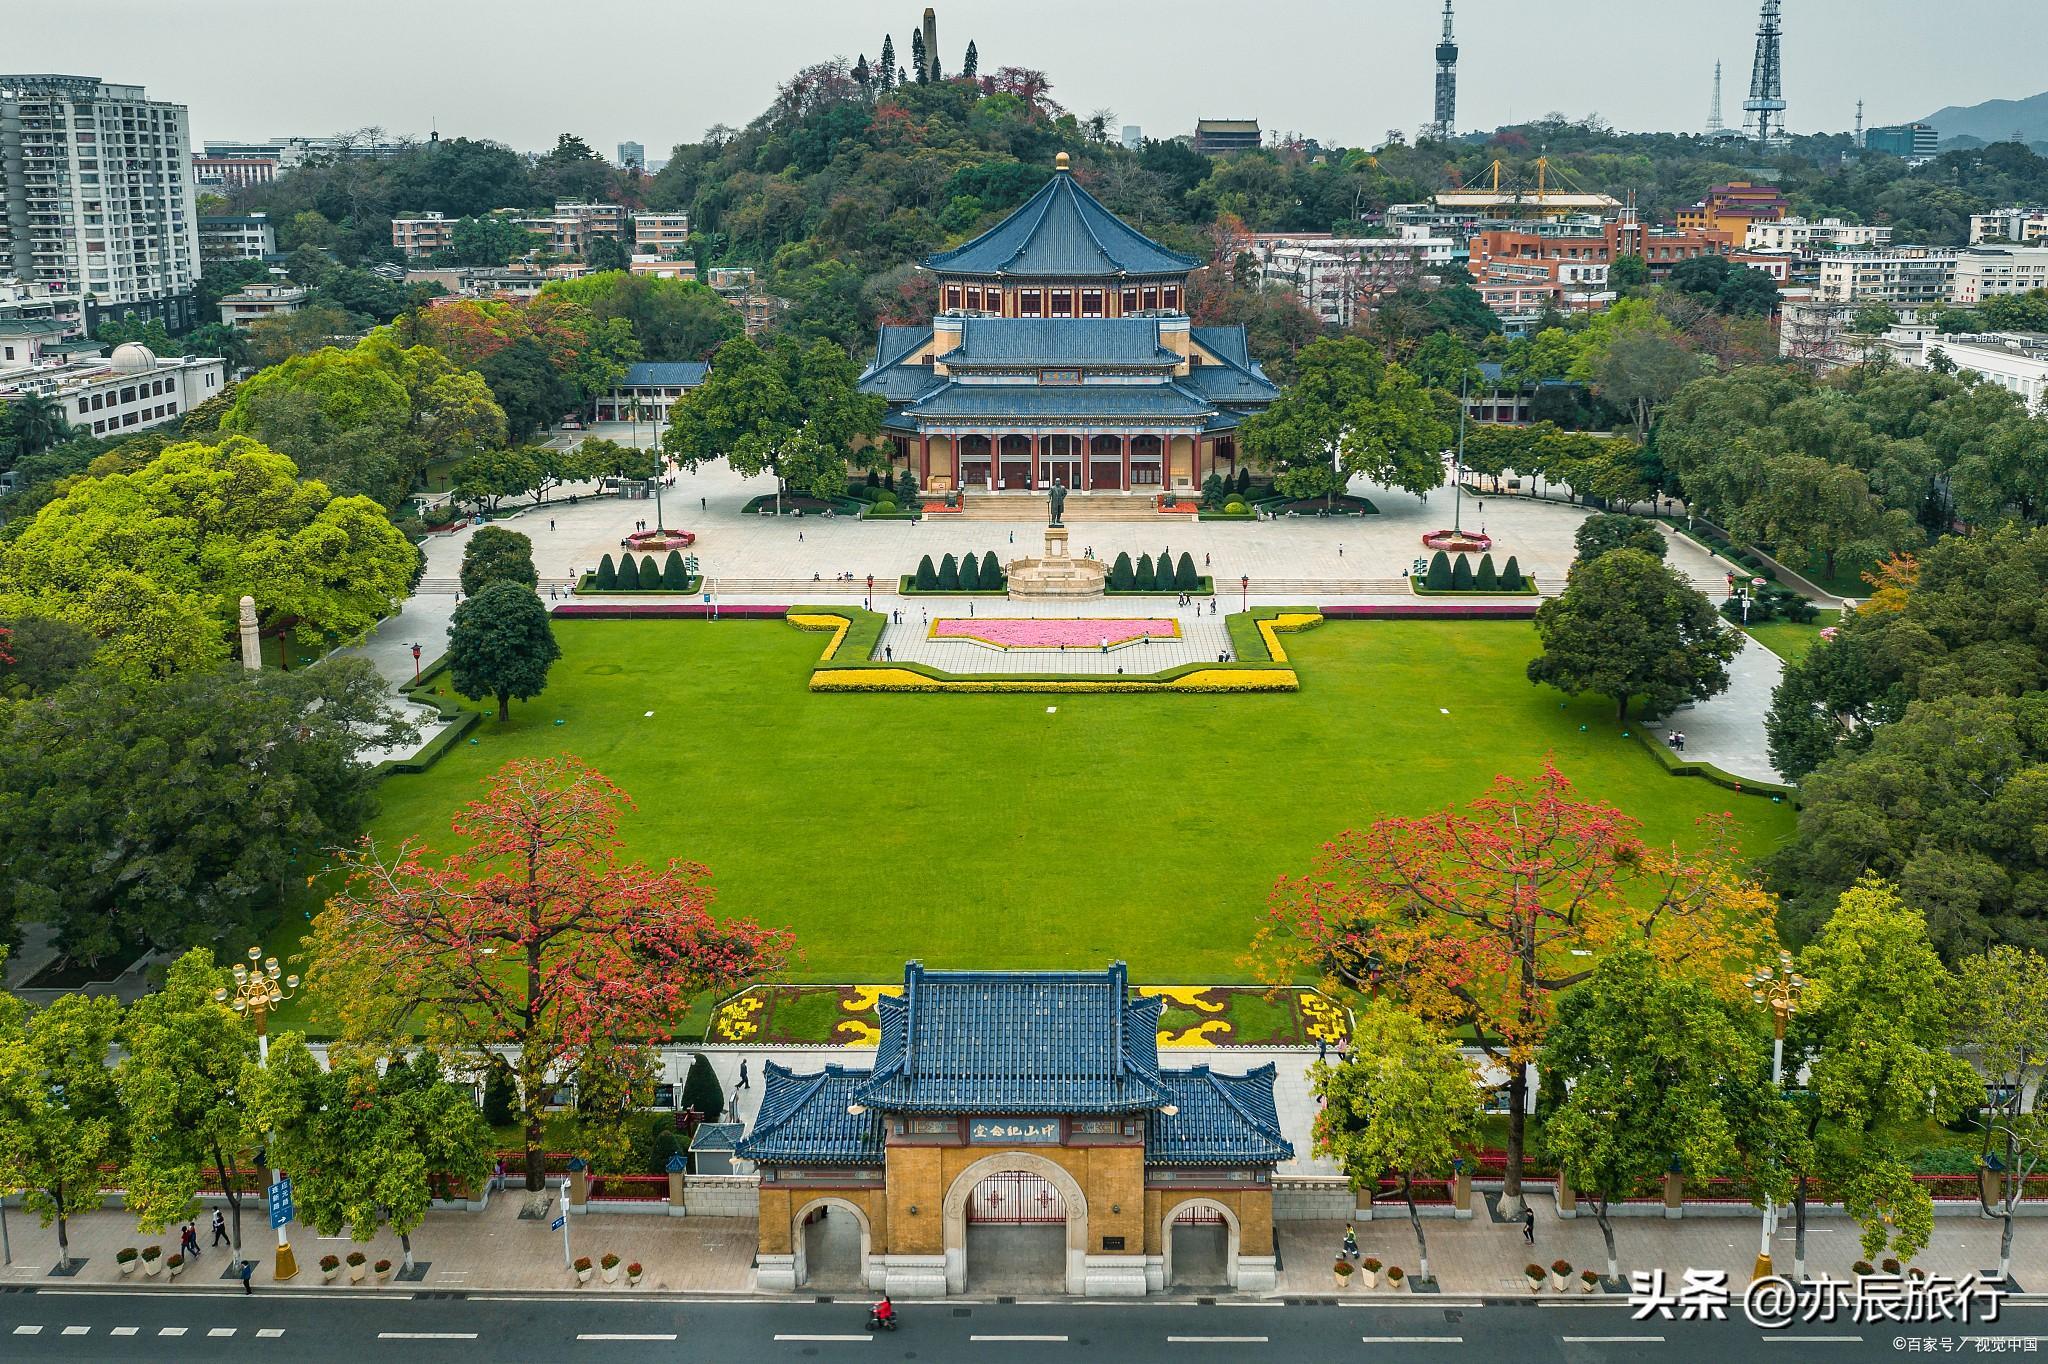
(1184, 576)
(1487, 579)
(674, 576)
(629, 573)
(992, 579)
(1244, 480)
(1511, 579)
(1461, 574)
(949, 574)
(927, 577)
(970, 573)
(1145, 581)
(650, 576)
(607, 574)
(1122, 577)
(1439, 576)
(1162, 572)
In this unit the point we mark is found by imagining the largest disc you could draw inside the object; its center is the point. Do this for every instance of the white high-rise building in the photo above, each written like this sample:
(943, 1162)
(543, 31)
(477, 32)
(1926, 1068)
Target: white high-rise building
(96, 196)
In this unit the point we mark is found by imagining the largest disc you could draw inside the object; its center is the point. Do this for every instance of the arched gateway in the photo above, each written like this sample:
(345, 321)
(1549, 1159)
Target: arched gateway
(1039, 1088)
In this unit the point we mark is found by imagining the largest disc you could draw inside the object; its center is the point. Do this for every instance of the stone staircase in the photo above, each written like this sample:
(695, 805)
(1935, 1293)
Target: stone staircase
(1081, 509)
(1314, 589)
(1000, 507)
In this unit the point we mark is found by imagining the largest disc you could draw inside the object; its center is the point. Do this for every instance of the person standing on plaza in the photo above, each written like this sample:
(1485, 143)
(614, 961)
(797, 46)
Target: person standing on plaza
(220, 1227)
(1529, 1226)
(248, 1273)
(743, 1084)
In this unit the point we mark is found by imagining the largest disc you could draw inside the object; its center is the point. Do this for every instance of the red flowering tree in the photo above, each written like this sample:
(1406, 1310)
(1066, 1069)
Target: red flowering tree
(534, 935)
(1478, 917)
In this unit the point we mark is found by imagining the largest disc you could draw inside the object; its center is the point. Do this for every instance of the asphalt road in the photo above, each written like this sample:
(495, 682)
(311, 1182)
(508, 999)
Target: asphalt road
(387, 1326)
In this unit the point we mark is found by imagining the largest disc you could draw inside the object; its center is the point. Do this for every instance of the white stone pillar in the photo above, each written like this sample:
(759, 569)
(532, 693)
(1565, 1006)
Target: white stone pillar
(252, 644)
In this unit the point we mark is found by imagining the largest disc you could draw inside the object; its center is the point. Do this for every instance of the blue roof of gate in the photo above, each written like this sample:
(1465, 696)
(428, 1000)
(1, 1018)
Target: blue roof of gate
(1220, 1120)
(1060, 341)
(1062, 231)
(1016, 1042)
(665, 373)
(803, 1119)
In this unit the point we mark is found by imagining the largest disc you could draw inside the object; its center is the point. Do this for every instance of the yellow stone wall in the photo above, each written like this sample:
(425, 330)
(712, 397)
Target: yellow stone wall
(779, 1203)
(1110, 1177)
(1252, 1206)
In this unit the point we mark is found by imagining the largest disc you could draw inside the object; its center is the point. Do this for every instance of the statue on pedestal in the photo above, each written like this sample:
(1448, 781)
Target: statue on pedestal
(1058, 499)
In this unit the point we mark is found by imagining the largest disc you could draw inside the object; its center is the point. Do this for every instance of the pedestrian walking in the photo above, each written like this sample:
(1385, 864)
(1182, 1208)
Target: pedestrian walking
(1322, 1049)
(889, 655)
(220, 1227)
(1350, 1242)
(799, 537)
(703, 504)
(744, 1083)
(1482, 508)
(551, 523)
(1340, 551)
(248, 1273)
(1528, 1226)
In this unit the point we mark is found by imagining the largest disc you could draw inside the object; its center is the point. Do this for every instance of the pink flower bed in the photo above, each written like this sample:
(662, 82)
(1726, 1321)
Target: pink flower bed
(1034, 633)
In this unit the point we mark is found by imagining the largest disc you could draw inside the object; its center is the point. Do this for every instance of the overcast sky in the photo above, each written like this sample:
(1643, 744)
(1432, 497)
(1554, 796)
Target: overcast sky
(659, 71)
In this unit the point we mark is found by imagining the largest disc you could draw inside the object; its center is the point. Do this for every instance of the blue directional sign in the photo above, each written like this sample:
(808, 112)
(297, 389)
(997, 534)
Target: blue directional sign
(281, 1203)
(557, 1224)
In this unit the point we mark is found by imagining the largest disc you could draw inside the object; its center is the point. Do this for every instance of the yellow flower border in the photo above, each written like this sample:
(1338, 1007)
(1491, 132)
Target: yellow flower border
(838, 625)
(1271, 630)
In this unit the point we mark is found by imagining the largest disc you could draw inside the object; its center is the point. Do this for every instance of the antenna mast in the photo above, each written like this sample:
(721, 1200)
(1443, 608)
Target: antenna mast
(1764, 110)
(1445, 123)
(1714, 125)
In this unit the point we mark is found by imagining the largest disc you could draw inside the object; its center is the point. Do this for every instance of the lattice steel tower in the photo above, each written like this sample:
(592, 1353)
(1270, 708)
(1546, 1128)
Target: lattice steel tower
(1764, 110)
(1714, 125)
(1445, 124)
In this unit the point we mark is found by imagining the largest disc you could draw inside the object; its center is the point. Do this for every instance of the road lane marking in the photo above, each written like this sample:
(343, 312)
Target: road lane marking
(1042, 1340)
(1815, 1340)
(170, 1330)
(270, 1333)
(1413, 1340)
(426, 1335)
(124, 1330)
(1612, 1340)
(594, 1335)
(1216, 1340)
(810, 1337)
(77, 1330)
(221, 1331)
(28, 1330)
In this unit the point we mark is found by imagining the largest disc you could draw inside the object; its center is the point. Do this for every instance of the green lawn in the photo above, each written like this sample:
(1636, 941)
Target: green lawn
(1037, 831)
(1792, 642)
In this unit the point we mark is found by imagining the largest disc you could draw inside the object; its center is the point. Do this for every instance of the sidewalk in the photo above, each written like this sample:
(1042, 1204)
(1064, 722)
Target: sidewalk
(489, 1250)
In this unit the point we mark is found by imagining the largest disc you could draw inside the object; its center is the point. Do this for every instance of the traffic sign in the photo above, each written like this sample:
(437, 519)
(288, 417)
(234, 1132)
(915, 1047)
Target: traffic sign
(558, 1224)
(281, 1202)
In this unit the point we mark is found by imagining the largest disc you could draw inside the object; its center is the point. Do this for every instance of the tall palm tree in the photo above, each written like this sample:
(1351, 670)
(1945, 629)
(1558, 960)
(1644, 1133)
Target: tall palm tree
(38, 422)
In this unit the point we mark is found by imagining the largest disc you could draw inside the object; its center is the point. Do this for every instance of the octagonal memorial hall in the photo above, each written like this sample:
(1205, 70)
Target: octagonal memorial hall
(1012, 1114)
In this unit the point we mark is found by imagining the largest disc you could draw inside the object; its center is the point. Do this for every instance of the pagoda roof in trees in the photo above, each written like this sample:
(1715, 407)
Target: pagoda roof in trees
(1062, 232)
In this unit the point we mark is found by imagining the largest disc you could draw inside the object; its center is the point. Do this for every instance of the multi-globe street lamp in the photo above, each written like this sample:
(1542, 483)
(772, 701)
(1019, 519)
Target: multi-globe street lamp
(1777, 989)
(258, 989)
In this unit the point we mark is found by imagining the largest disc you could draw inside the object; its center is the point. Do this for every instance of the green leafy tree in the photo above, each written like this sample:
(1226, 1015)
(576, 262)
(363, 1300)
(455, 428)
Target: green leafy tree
(171, 813)
(497, 555)
(366, 1144)
(1628, 272)
(487, 477)
(1405, 1100)
(36, 422)
(1627, 626)
(614, 1088)
(60, 1114)
(1661, 1076)
(1350, 413)
(650, 576)
(1872, 1039)
(501, 643)
(187, 1082)
(992, 577)
(1604, 531)
(2003, 1027)
(1805, 505)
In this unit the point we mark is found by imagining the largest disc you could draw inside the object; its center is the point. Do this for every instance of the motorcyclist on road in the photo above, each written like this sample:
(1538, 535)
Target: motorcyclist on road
(884, 1311)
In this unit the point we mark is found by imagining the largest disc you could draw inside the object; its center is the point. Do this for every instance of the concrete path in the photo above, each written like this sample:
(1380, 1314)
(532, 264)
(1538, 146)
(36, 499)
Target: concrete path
(1728, 730)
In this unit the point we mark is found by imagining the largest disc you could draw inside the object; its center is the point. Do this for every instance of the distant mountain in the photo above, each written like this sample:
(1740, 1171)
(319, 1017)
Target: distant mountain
(1995, 120)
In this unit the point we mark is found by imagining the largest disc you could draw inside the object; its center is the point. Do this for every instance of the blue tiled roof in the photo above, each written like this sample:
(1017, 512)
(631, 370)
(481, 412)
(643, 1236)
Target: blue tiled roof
(717, 1136)
(1219, 1119)
(1229, 384)
(901, 383)
(1060, 341)
(1016, 1042)
(666, 373)
(1228, 343)
(1062, 230)
(803, 1119)
(1062, 402)
(893, 343)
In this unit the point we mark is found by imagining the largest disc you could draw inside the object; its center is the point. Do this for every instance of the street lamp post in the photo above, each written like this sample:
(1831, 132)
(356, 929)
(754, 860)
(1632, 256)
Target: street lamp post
(1244, 585)
(1458, 470)
(257, 990)
(415, 662)
(1778, 990)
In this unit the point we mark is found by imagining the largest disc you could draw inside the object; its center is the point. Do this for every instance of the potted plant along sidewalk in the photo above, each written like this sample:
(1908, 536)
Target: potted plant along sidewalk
(633, 1272)
(1534, 1274)
(1370, 1268)
(383, 1270)
(1396, 1280)
(582, 1269)
(356, 1261)
(152, 1260)
(330, 1265)
(175, 1263)
(1343, 1270)
(610, 1265)
(1560, 1273)
(1589, 1280)
(125, 1257)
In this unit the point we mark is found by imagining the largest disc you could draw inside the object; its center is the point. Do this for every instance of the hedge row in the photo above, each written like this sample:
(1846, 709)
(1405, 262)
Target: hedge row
(629, 575)
(1680, 766)
(587, 586)
(461, 719)
(667, 611)
(965, 575)
(1436, 611)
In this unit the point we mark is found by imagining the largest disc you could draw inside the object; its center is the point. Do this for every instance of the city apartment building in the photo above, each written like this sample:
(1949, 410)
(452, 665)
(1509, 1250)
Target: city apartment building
(422, 235)
(1220, 136)
(232, 172)
(275, 298)
(632, 156)
(1914, 142)
(1899, 277)
(1727, 211)
(243, 237)
(2015, 361)
(131, 390)
(2009, 224)
(1807, 237)
(1998, 271)
(96, 196)
(53, 310)
(1337, 277)
(660, 267)
(661, 234)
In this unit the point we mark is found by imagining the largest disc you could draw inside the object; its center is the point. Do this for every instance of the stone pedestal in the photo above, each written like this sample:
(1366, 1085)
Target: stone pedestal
(1058, 575)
